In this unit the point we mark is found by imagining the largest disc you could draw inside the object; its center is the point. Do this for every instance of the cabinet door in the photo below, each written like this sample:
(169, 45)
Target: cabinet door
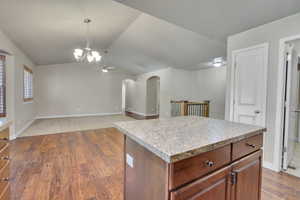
(246, 178)
(212, 187)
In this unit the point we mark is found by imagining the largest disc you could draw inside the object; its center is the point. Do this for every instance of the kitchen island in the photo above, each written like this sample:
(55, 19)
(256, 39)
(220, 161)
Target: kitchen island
(191, 157)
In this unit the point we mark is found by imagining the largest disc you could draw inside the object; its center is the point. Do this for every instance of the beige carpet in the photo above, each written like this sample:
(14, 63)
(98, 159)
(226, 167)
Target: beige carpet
(62, 125)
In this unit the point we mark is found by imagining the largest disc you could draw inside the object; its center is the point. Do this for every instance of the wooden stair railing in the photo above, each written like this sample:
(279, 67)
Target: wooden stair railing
(185, 108)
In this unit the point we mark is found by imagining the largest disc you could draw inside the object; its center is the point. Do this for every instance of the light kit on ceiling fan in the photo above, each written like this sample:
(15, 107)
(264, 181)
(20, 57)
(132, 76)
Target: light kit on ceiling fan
(105, 67)
(87, 54)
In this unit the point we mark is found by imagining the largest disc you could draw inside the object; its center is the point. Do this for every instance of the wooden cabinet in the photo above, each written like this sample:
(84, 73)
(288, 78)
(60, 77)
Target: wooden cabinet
(192, 168)
(232, 172)
(213, 187)
(246, 146)
(246, 178)
(4, 165)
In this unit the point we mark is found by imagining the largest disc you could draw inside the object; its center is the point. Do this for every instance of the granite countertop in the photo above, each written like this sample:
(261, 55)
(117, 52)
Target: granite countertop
(177, 138)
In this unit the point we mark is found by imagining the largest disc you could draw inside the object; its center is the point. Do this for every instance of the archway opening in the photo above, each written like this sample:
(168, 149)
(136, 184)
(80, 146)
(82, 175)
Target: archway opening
(153, 96)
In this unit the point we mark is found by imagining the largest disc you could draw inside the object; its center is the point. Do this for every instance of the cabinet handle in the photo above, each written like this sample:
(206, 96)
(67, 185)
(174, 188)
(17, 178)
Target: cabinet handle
(5, 139)
(209, 163)
(233, 177)
(4, 179)
(251, 145)
(5, 158)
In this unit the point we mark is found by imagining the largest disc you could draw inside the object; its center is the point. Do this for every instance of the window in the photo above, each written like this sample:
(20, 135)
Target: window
(28, 84)
(2, 87)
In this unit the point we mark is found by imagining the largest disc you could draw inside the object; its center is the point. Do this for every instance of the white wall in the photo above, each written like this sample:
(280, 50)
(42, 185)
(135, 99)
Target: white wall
(211, 85)
(270, 33)
(21, 113)
(205, 84)
(77, 89)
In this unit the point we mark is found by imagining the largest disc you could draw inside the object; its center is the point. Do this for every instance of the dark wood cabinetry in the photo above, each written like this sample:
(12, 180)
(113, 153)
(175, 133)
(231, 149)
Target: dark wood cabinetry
(246, 178)
(232, 172)
(213, 187)
(4, 164)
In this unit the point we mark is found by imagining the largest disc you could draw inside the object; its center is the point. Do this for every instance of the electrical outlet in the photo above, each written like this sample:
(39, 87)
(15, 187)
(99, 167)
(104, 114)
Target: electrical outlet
(129, 160)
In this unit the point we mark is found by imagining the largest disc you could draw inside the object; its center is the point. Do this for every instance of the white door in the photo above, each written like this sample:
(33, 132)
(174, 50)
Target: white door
(250, 79)
(291, 105)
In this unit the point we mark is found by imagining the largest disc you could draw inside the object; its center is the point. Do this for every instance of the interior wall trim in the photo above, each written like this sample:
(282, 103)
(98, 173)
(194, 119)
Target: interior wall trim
(17, 134)
(142, 114)
(76, 115)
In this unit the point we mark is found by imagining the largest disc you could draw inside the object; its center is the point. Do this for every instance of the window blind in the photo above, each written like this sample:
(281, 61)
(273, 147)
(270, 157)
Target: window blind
(28, 84)
(2, 87)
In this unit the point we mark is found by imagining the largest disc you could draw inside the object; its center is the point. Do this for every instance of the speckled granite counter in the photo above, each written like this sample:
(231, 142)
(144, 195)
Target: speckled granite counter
(178, 138)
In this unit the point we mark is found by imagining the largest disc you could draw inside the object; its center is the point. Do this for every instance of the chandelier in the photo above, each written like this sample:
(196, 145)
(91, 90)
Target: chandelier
(87, 54)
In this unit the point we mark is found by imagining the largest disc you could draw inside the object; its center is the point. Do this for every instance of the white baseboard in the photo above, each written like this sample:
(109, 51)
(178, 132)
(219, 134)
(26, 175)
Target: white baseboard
(270, 166)
(22, 129)
(151, 115)
(135, 112)
(142, 114)
(77, 115)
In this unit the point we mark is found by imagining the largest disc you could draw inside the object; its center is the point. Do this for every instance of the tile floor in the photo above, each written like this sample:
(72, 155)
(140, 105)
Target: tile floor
(295, 162)
(63, 125)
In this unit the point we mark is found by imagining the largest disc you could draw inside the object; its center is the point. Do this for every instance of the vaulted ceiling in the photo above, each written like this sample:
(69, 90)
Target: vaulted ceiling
(141, 37)
(217, 18)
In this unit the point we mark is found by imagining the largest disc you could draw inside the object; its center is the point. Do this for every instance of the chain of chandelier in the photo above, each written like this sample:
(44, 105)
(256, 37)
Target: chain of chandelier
(87, 54)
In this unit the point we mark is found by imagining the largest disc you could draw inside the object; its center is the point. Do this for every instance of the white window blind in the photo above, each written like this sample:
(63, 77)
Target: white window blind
(2, 87)
(28, 84)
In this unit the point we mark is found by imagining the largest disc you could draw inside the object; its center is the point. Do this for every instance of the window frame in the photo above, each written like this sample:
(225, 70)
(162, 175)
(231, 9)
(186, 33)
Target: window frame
(27, 69)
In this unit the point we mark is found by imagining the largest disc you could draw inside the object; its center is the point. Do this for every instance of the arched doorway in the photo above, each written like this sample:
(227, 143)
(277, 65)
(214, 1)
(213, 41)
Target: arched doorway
(127, 95)
(153, 96)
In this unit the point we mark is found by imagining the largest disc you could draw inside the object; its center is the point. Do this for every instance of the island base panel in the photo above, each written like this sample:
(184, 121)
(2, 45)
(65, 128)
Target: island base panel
(147, 179)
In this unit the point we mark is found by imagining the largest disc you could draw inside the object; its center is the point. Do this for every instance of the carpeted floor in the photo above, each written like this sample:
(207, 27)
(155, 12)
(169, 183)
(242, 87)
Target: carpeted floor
(69, 124)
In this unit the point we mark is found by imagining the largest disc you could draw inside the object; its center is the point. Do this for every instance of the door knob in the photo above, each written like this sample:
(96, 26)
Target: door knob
(256, 111)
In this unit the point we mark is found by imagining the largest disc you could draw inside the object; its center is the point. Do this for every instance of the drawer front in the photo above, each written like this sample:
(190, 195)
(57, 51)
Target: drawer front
(212, 187)
(246, 146)
(4, 137)
(192, 168)
(5, 195)
(4, 156)
(4, 177)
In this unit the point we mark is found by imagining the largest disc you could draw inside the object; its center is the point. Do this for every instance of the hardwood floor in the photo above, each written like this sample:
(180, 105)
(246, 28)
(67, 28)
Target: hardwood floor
(68, 166)
(88, 165)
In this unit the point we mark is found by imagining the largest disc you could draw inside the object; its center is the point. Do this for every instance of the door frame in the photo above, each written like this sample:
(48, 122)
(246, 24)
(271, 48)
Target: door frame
(278, 148)
(287, 95)
(265, 46)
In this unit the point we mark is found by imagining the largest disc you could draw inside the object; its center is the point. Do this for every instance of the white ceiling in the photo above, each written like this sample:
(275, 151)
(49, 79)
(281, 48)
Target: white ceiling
(217, 18)
(150, 43)
(48, 31)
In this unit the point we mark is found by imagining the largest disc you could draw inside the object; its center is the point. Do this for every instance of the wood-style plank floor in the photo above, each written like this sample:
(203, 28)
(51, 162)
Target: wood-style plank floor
(89, 166)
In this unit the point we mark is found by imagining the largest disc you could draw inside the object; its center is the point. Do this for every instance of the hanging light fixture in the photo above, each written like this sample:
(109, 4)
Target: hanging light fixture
(87, 54)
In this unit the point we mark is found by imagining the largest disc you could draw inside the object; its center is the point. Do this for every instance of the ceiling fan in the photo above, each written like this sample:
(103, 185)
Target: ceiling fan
(105, 67)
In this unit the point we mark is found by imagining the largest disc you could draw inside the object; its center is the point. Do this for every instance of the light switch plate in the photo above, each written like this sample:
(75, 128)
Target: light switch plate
(129, 160)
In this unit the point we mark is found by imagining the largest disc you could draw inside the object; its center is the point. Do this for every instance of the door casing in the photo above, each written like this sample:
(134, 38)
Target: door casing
(265, 47)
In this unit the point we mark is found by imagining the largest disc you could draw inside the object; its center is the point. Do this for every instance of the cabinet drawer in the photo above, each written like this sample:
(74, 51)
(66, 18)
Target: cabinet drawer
(5, 195)
(4, 155)
(214, 186)
(192, 168)
(4, 177)
(246, 146)
(4, 137)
